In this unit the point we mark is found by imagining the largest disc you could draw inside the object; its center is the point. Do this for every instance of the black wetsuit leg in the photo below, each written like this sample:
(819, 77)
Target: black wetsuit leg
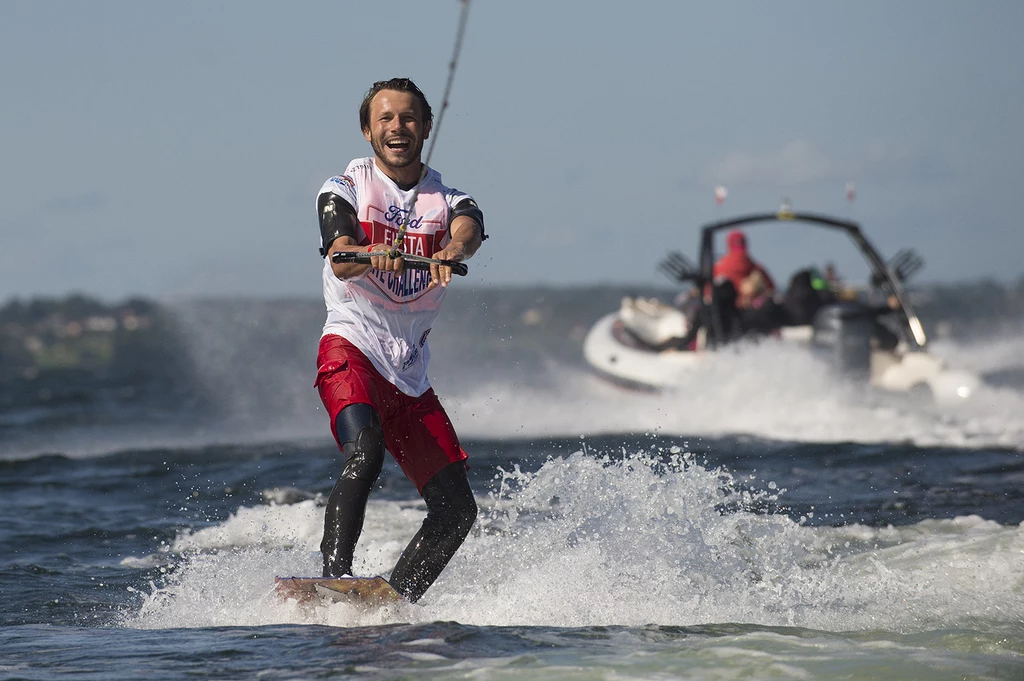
(362, 442)
(451, 511)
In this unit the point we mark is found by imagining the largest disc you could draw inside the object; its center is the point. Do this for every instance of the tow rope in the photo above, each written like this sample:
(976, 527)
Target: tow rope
(396, 245)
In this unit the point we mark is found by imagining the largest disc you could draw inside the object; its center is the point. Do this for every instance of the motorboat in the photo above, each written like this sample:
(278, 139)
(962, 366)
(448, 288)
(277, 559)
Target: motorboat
(871, 335)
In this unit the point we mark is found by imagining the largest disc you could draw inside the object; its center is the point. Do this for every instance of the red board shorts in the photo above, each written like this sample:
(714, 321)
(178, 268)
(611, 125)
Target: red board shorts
(417, 430)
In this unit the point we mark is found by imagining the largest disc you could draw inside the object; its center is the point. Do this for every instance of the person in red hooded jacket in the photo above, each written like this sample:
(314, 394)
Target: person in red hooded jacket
(737, 265)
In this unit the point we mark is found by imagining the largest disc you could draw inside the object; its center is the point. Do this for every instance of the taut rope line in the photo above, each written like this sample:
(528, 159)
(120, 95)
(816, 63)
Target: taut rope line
(396, 245)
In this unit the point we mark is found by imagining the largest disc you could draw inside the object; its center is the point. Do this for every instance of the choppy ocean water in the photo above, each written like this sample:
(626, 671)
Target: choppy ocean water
(764, 521)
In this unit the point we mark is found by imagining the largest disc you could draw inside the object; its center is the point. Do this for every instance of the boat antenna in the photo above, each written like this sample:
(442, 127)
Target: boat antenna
(396, 245)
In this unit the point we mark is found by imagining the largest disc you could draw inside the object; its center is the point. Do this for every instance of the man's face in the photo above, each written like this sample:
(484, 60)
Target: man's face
(396, 130)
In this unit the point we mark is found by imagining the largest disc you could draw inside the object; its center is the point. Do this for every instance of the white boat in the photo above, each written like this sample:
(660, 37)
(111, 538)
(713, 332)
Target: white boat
(649, 344)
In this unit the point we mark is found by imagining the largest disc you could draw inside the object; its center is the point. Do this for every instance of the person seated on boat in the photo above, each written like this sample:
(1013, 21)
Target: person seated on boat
(753, 291)
(756, 307)
(835, 283)
(736, 265)
(831, 277)
(807, 293)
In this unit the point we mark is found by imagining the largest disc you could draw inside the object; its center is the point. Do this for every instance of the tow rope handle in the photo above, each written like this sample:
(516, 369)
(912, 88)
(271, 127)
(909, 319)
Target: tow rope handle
(412, 262)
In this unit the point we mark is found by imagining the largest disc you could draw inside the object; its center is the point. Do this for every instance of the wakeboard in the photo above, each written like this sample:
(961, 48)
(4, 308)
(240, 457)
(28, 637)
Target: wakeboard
(367, 590)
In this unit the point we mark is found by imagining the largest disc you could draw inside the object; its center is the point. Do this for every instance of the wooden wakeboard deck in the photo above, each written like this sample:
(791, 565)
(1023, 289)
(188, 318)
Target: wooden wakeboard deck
(375, 590)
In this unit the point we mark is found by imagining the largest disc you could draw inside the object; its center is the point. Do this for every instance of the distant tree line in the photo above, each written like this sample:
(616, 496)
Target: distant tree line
(42, 310)
(57, 349)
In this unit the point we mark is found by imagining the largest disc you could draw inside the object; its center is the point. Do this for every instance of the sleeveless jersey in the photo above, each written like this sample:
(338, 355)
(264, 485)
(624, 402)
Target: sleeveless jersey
(388, 317)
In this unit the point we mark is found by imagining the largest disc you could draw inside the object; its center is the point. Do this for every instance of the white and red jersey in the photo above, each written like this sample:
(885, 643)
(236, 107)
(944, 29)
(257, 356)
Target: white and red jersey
(388, 317)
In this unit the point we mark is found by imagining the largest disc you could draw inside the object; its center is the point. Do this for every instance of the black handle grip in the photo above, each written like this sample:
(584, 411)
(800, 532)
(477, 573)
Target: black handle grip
(412, 262)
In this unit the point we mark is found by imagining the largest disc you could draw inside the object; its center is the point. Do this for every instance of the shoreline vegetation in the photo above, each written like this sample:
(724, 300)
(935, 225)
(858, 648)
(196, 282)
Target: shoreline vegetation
(48, 343)
(73, 349)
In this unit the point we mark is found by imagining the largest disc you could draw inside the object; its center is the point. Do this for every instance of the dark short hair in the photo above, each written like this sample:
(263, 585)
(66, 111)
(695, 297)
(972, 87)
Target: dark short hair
(400, 85)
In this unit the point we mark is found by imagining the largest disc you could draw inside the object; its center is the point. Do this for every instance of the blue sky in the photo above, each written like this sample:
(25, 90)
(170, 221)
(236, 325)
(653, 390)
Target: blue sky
(175, 149)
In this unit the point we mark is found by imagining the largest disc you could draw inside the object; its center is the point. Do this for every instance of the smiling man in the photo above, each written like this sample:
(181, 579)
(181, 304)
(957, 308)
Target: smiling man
(372, 362)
